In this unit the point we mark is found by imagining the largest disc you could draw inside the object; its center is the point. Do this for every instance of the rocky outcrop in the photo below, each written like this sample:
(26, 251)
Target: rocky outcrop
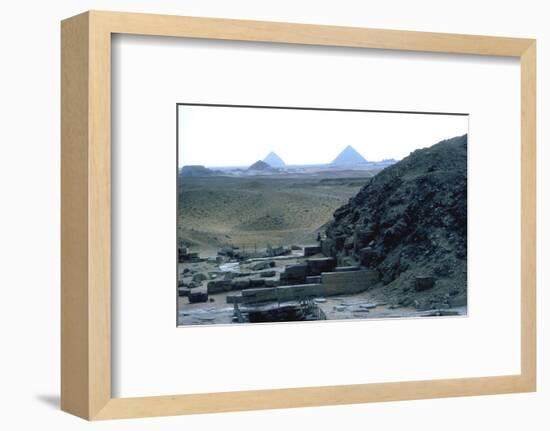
(409, 223)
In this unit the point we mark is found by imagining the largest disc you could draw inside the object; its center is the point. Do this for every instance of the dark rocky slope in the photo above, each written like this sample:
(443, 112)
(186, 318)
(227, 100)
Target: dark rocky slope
(409, 221)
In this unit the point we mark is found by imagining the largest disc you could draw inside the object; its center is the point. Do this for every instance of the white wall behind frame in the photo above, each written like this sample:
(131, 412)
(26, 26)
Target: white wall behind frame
(152, 74)
(30, 216)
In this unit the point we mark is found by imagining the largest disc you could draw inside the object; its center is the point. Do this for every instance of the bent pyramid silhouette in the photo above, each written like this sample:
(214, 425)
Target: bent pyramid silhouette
(274, 160)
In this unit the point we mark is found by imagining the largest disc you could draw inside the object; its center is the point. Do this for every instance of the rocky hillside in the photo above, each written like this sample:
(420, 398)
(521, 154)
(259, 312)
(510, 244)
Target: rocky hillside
(409, 222)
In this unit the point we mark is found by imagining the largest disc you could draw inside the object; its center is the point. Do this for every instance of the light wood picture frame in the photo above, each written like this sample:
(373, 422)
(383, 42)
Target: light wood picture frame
(86, 213)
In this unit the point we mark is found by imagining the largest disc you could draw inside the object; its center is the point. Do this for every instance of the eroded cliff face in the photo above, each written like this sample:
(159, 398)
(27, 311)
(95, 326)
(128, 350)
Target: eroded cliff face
(409, 221)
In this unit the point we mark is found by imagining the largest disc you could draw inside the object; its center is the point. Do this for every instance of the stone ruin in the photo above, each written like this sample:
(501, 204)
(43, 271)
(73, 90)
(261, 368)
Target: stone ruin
(185, 256)
(259, 283)
(264, 289)
(331, 284)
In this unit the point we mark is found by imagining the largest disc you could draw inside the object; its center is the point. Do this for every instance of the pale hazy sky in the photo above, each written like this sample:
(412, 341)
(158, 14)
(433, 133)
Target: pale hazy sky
(229, 136)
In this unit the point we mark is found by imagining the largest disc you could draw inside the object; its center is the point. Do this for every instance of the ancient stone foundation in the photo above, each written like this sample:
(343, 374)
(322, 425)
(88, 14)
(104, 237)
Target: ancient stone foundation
(281, 293)
(348, 282)
(332, 283)
(318, 265)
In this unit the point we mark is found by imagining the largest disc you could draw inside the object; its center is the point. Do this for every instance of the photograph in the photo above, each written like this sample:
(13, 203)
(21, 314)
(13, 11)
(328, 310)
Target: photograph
(261, 216)
(293, 214)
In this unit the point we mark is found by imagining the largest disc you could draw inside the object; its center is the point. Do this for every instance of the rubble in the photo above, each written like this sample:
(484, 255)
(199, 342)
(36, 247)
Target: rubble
(284, 313)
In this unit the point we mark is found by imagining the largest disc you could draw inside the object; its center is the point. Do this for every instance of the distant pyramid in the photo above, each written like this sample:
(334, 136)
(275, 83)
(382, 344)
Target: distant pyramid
(259, 166)
(349, 156)
(274, 160)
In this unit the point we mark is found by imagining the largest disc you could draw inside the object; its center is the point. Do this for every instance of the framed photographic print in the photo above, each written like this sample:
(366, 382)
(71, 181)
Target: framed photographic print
(267, 215)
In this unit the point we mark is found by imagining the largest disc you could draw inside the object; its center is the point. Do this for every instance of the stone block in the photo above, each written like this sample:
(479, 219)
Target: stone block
(422, 283)
(340, 283)
(347, 268)
(217, 286)
(310, 250)
(316, 266)
(196, 297)
(295, 273)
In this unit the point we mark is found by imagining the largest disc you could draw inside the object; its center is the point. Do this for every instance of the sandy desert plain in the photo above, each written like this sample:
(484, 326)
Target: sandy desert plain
(261, 210)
